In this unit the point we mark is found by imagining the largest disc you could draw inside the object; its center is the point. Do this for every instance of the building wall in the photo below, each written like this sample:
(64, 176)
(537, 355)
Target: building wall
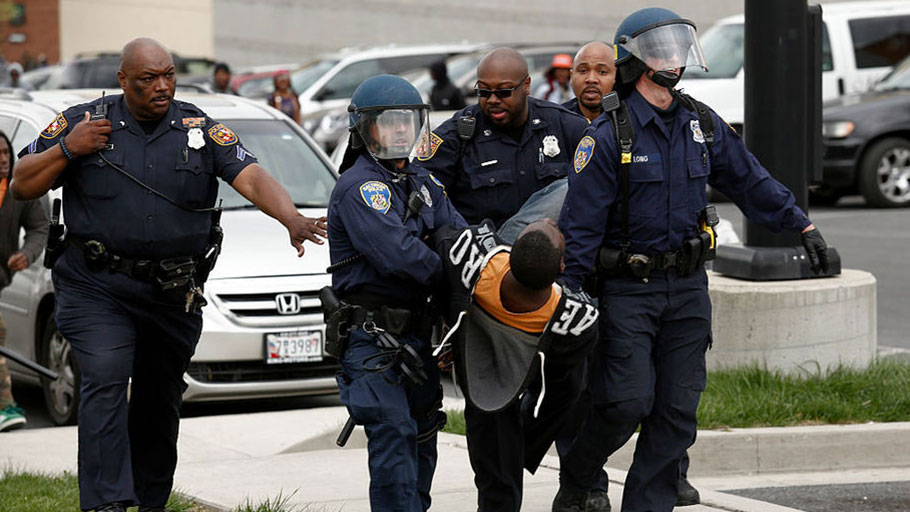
(278, 31)
(40, 31)
(184, 26)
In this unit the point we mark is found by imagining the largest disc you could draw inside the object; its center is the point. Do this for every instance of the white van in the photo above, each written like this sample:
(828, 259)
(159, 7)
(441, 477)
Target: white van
(860, 43)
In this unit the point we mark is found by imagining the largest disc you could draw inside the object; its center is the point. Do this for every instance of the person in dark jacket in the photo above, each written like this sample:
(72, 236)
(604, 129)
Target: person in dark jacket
(444, 95)
(15, 215)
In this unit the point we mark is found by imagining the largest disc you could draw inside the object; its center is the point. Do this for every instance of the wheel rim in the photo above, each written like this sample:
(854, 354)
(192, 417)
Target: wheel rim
(63, 389)
(893, 175)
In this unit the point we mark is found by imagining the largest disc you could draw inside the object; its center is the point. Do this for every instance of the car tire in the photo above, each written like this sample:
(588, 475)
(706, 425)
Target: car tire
(62, 395)
(885, 173)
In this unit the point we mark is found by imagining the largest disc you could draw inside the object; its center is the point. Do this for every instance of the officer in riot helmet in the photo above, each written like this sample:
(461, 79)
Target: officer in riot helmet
(636, 207)
(382, 209)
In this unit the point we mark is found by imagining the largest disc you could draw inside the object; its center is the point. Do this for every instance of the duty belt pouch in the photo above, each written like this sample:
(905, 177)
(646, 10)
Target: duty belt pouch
(693, 254)
(336, 315)
(394, 320)
(609, 261)
(175, 273)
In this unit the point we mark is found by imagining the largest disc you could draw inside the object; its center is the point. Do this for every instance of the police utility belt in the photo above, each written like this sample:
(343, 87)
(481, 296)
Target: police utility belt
(343, 316)
(167, 274)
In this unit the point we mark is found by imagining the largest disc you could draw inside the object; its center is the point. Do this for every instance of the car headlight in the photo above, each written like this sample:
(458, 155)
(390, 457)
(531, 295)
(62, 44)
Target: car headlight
(837, 129)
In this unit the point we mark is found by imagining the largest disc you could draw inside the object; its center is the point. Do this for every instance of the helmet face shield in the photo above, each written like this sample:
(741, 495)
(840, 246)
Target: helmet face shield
(667, 47)
(391, 134)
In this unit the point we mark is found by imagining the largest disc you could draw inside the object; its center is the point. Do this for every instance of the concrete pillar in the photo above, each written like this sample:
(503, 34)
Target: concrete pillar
(793, 326)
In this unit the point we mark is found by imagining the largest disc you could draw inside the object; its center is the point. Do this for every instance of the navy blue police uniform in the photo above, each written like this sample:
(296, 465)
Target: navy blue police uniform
(367, 215)
(492, 175)
(572, 106)
(654, 332)
(120, 324)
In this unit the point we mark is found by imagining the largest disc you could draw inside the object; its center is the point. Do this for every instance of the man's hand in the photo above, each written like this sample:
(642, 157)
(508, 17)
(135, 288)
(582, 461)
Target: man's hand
(88, 137)
(304, 228)
(17, 262)
(816, 248)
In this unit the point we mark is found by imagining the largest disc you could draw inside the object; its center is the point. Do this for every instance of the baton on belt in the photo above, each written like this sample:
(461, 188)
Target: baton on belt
(35, 367)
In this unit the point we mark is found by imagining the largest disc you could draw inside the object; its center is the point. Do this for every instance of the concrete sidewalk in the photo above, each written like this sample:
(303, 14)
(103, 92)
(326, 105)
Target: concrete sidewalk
(226, 461)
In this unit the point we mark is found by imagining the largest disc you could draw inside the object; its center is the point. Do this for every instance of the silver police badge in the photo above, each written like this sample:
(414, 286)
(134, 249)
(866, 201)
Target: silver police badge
(550, 146)
(194, 138)
(427, 198)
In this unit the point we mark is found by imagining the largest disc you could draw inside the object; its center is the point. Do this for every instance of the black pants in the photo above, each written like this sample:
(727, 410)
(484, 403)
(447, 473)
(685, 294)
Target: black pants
(502, 443)
(121, 329)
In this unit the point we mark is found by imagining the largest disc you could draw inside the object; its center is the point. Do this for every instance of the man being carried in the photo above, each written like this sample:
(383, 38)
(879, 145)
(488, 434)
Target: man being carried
(514, 330)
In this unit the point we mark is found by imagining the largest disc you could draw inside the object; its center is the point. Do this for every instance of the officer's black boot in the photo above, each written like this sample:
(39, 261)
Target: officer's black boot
(568, 500)
(687, 495)
(111, 507)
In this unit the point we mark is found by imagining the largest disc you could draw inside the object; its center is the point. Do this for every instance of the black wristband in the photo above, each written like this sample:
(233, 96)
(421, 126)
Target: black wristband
(66, 152)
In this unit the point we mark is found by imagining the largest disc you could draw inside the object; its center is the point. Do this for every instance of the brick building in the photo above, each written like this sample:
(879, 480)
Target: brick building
(28, 29)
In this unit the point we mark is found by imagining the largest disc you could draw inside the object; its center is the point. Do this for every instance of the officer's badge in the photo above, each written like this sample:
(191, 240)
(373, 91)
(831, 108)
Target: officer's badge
(193, 122)
(57, 125)
(426, 150)
(194, 138)
(697, 135)
(242, 153)
(487, 132)
(550, 146)
(583, 153)
(427, 198)
(376, 195)
(222, 135)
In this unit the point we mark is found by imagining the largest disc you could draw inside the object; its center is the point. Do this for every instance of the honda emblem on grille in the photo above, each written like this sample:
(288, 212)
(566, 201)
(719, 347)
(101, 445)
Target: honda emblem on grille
(287, 303)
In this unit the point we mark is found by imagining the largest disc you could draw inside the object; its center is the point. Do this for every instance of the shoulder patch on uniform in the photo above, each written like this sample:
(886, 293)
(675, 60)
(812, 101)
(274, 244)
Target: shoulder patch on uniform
(242, 153)
(193, 122)
(32, 147)
(583, 153)
(428, 148)
(57, 125)
(222, 135)
(435, 180)
(376, 195)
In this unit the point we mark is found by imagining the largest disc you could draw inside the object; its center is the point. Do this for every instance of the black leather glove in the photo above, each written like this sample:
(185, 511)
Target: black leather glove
(817, 250)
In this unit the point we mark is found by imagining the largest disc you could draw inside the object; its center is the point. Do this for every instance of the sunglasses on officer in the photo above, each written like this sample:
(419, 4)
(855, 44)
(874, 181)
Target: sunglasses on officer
(500, 93)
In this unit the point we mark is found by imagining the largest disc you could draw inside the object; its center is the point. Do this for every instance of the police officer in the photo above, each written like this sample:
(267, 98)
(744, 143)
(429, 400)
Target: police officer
(593, 75)
(655, 310)
(128, 283)
(492, 158)
(381, 210)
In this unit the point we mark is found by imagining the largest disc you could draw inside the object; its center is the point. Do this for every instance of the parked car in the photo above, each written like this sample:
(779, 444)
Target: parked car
(99, 70)
(867, 143)
(260, 294)
(258, 82)
(325, 85)
(860, 43)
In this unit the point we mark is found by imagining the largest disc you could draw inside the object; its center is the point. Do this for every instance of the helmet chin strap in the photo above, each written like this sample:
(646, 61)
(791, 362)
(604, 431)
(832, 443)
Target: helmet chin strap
(665, 78)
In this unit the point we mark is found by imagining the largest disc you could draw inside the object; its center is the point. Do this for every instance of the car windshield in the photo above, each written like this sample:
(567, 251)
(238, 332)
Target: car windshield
(898, 78)
(288, 158)
(723, 48)
(303, 78)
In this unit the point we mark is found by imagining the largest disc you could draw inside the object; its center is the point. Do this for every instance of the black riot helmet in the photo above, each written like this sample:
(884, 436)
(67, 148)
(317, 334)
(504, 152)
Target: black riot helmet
(658, 40)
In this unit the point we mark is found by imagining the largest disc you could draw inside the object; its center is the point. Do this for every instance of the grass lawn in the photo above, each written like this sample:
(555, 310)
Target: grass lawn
(753, 397)
(31, 492)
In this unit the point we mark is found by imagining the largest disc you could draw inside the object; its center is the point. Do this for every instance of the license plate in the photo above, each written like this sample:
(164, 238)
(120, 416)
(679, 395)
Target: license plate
(293, 347)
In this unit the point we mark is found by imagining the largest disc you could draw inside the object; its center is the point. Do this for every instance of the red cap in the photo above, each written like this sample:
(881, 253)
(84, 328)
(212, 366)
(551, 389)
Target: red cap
(562, 61)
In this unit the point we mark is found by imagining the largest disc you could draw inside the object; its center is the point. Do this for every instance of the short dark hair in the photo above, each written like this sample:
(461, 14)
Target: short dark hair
(221, 66)
(535, 261)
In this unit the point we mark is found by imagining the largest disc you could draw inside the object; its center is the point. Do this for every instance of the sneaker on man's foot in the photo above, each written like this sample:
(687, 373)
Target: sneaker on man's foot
(11, 418)
(111, 507)
(687, 495)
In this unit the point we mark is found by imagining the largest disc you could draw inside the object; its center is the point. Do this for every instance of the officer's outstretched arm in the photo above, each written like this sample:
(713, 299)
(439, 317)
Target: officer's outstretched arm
(257, 185)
